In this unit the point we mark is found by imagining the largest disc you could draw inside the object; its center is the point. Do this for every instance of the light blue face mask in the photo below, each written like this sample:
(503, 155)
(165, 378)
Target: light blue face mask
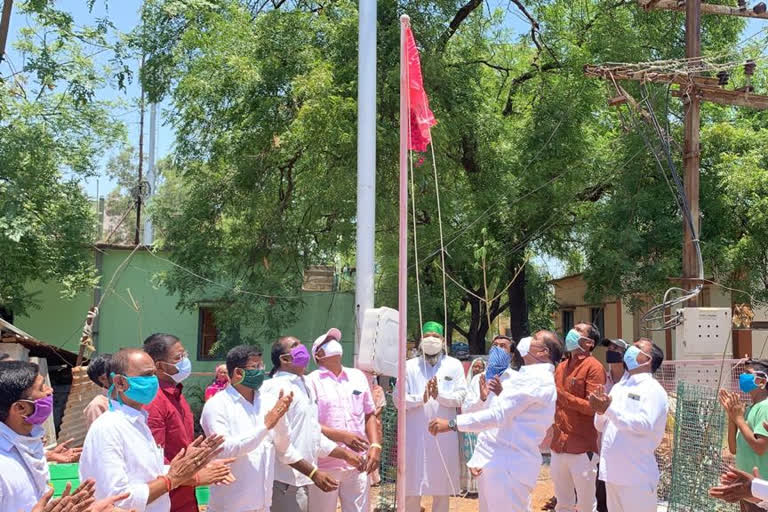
(142, 389)
(572, 340)
(630, 358)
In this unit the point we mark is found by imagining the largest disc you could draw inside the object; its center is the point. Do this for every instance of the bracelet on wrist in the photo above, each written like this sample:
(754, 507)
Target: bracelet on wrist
(375, 445)
(167, 480)
(312, 474)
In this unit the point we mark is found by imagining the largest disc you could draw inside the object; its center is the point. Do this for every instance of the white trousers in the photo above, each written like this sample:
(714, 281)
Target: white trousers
(571, 471)
(439, 503)
(352, 492)
(626, 498)
(497, 489)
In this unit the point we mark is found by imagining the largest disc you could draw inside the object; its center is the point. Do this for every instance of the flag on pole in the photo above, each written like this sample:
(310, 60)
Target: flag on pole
(421, 117)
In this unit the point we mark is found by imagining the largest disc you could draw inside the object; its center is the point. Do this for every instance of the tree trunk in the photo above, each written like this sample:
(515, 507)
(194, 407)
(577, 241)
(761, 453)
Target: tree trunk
(518, 305)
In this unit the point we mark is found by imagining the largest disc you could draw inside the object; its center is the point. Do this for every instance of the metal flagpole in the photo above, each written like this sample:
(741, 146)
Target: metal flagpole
(366, 164)
(402, 279)
(151, 172)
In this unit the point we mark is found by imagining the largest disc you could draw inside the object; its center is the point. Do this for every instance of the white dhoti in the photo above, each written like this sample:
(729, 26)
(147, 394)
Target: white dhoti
(499, 490)
(626, 498)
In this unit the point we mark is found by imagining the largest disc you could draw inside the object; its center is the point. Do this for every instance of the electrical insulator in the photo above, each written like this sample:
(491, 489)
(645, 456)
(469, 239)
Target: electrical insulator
(722, 78)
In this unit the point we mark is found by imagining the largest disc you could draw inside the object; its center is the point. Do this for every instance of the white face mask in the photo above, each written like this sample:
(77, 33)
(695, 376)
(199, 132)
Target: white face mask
(332, 348)
(524, 346)
(431, 345)
(184, 368)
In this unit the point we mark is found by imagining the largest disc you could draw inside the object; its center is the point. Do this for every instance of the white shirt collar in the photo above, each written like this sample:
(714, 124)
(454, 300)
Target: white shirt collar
(129, 412)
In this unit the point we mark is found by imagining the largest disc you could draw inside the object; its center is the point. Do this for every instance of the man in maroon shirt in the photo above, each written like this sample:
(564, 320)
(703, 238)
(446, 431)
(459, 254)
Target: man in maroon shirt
(170, 417)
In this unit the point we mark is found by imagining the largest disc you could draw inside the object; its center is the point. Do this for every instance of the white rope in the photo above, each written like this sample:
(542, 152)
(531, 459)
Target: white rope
(415, 244)
(442, 246)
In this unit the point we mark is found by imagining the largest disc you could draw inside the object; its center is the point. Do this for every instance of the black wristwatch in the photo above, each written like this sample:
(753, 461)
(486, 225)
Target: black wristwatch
(452, 425)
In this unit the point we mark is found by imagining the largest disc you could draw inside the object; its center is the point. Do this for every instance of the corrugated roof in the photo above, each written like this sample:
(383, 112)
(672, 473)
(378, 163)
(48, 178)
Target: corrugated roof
(9, 333)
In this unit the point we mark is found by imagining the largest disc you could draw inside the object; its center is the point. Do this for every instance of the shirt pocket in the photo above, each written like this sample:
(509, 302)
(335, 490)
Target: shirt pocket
(577, 386)
(446, 384)
(357, 406)
(633, 403)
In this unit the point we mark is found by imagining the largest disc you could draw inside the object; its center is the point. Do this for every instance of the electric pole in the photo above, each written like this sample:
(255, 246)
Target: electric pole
(139, 185)
(5, 24)
(692, 88)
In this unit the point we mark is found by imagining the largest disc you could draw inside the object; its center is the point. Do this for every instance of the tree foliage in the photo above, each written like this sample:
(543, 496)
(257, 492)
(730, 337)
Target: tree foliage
(530, 158)
(53, 131)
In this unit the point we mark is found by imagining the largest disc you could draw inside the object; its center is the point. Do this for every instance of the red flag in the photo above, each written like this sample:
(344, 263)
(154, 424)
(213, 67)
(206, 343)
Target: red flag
(422, 119)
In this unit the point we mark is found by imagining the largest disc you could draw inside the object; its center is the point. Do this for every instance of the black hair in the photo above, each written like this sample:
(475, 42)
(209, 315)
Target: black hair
(593, 333)
(16, 377)
(278, 349)
(516, 360)
(657, 357)
(157, 345)
(98, 367)
(238, 357)
(761, 365)
(552, 341)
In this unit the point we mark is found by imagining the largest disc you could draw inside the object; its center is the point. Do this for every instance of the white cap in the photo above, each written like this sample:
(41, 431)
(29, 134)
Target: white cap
(333, 333)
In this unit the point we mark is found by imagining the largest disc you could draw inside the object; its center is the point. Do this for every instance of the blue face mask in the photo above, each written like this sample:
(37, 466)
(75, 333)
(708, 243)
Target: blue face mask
(747, 382)
(630, 358)
(142, 389)
(572, 340)
(498, 362)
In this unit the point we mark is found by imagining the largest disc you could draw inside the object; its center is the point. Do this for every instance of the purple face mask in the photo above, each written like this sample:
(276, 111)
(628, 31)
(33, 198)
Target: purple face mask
(300, 356)
(43, 409)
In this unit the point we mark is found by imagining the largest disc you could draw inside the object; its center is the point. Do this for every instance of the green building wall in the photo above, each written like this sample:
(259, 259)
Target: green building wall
(137, 307)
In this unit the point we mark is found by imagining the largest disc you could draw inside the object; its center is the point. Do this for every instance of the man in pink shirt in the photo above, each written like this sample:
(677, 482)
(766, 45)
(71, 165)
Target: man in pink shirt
(347, 415)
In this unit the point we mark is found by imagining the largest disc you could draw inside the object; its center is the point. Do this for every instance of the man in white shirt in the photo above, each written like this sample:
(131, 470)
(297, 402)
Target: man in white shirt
(481, 391)
(632, 419)
(435, 387)
(290, 492)
(251, 423)
(347, 415)
(521, 414)
(120, 453)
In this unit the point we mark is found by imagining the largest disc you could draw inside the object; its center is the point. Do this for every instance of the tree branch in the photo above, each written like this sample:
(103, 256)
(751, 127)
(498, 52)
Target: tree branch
(529, 75)
(460, 16)
(459, 329)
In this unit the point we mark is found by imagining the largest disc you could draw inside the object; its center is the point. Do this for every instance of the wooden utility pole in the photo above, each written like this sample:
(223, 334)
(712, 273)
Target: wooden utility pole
(5, 24)
(692, 88)
(139, 186)
(691, 146)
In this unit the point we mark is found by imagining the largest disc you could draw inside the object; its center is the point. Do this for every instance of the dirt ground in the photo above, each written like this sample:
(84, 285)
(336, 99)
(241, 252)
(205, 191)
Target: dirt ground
(543, 491)
(541, 494)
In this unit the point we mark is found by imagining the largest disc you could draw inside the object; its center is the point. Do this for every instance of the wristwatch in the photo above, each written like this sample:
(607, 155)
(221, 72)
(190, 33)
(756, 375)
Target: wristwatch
(452, 425)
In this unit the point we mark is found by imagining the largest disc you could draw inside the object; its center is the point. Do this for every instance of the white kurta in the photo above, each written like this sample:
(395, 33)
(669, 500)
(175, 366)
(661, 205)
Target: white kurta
(427, 475)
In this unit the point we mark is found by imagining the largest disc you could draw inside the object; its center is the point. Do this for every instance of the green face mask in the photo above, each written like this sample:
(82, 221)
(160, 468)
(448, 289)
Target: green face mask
(252, 378)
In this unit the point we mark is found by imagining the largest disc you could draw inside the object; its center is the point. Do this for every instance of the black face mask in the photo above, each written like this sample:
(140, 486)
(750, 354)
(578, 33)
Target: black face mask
(611, 356)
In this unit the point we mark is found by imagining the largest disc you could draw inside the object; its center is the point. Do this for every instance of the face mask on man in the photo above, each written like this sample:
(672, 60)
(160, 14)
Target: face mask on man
(613, 356)
(524, 346)
(630, 358)
(300, 356)
(43, 409)
(431, 345)
(748, 381)
(252, 378)
(498, 362)
(330, 349)
(141, 389)
(184, 370)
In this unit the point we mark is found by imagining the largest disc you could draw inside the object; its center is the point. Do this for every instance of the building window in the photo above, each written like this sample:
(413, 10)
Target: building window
(567, 321)
(598, 318)
(207, 334)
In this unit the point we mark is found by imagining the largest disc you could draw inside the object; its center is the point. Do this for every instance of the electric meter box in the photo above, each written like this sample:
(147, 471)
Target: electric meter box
(379, 342)
(703, 333)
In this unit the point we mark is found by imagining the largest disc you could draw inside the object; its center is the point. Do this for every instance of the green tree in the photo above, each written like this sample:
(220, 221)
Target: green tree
(528, 153)
(53, 132)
